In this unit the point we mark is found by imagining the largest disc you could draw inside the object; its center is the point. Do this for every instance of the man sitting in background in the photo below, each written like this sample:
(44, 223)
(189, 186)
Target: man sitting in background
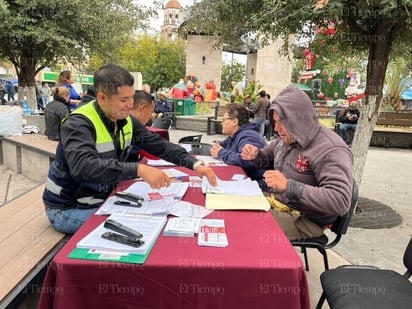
(143, 106)
(162, 106)
(349, 119)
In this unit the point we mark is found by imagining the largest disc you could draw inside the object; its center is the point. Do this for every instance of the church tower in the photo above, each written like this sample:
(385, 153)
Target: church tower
(171, 19)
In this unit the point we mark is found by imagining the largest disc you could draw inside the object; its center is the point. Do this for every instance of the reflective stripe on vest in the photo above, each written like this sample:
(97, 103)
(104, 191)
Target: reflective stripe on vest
(104, 140)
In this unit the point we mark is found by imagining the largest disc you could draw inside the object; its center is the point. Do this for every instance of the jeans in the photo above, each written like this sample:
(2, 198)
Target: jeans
(40, 104)
(68, 220)
(45, 101)
(345, 127)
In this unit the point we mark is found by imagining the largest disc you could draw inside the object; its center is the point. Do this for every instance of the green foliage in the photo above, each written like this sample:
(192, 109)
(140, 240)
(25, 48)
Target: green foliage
(231, 72)
(253, 90)
(40, 33)
(330, 87)
(395, 84)
(368, 26)
(162, 62)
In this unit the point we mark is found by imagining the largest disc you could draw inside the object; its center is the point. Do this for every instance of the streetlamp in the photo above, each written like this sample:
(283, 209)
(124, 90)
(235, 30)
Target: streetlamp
(247, 40)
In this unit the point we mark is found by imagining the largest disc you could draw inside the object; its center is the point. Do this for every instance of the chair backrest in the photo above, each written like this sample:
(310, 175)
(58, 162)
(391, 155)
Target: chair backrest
(220, 111)
(341, 224)
(202, 149)
(190, 139)
(407, 259)
(162, 123)
(172, 105)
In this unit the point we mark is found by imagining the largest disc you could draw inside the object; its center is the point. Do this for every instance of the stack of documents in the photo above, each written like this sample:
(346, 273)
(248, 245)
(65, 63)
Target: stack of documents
(212, 233)
(210, 161)
(183, 227)
(240, 194)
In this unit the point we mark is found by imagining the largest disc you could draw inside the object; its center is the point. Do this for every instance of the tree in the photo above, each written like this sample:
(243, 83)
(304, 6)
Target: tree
(371, 26)
(234, 71)
(162, 62)
(40, 33)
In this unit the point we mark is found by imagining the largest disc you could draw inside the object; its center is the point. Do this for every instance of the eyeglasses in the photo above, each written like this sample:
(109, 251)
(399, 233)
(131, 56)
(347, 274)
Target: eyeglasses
(224, 119)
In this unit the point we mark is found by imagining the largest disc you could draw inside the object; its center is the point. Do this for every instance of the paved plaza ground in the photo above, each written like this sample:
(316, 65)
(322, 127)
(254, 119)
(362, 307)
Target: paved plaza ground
(386, 179)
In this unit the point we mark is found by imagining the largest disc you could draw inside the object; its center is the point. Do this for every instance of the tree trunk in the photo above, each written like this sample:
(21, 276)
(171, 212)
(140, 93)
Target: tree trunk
(379, 50)
(363, 134)
(26, 76)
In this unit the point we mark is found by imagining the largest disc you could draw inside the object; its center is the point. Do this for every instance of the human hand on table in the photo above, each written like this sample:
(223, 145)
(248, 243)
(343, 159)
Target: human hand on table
(214, 151)
(208, 172)
(275, 180)
(154, 177)
(249, 152)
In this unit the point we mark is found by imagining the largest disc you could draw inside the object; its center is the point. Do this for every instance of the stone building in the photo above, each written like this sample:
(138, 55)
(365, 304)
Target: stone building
(172, 19)
(204, 59)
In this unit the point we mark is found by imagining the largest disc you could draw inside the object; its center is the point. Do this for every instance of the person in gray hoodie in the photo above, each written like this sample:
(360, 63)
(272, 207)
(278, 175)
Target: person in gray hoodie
(311, 166)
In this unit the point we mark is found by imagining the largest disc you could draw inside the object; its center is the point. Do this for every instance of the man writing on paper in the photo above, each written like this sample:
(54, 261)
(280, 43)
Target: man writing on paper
(312, 166)
(88, 163)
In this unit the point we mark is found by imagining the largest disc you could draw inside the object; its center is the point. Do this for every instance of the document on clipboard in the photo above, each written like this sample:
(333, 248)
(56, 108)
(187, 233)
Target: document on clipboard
(148, 227)
(241, 194)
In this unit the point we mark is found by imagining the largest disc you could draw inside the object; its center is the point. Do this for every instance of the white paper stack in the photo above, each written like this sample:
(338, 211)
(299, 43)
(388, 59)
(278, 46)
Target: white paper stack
(184, 227)
(212, 233)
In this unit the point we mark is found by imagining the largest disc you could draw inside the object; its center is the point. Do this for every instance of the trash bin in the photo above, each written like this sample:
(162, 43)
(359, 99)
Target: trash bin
(184, 107)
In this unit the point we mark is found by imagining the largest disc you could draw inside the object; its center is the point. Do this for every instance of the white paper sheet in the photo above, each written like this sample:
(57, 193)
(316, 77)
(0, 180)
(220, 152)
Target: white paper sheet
(150, 227)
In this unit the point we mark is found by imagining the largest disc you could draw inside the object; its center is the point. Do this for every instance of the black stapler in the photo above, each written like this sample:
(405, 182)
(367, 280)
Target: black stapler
(133, 200)
(124, 235)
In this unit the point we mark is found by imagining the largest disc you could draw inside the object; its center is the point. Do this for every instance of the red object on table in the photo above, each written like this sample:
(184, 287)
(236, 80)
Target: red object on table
(162, 132)
(259, 269)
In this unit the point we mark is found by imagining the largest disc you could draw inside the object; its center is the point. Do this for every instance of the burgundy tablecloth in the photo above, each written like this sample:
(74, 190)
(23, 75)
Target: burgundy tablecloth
(259, 269)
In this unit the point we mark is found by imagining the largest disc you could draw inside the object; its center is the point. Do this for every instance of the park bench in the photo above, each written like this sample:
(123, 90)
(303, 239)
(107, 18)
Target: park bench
(27, 245)
(214, 123)
(393, 129)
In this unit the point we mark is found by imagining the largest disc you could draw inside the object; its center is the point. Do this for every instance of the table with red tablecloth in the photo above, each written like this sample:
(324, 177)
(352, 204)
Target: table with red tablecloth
(259, 269)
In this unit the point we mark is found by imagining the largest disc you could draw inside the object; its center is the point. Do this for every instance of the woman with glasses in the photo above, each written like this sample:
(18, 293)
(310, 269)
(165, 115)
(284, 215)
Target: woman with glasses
(236, 125)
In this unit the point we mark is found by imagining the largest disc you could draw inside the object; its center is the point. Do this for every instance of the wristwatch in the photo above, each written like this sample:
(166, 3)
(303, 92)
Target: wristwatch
(197, 164)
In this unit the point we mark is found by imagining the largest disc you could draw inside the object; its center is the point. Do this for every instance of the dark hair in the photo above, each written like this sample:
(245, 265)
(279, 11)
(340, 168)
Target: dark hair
(64, 77)
(239, 111)
(142, 97)
(110, 77)
(262, 93)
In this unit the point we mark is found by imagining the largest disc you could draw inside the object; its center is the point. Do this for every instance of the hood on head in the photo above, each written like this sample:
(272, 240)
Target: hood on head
(297, 113)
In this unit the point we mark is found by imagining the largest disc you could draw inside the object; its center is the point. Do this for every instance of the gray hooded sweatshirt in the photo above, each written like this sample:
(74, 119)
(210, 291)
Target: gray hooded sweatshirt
(318, 165)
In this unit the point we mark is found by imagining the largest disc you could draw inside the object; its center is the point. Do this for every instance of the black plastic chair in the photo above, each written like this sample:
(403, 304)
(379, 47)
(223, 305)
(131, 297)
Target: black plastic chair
(190, 139)
(368, 287)
(201, 149)
(162, 123)
(339, 227)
